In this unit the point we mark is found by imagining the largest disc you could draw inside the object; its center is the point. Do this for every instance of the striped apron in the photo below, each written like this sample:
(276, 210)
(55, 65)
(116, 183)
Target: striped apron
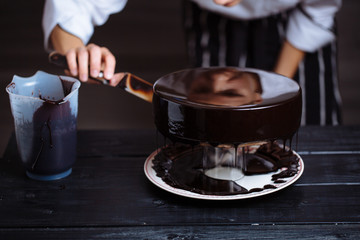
(214, 40)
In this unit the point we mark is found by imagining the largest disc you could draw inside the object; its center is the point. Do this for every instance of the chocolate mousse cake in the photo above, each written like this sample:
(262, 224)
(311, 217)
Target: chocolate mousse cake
(231, 106)
(226, 105)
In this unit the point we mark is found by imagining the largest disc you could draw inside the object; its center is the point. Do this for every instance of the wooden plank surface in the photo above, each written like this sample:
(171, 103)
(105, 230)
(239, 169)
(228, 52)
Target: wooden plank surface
(304, 232)
(127, 142)
(119, 143)
(108, 188)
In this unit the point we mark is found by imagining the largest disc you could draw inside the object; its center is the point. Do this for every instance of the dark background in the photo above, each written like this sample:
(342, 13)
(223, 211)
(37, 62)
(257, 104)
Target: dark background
(147, 39)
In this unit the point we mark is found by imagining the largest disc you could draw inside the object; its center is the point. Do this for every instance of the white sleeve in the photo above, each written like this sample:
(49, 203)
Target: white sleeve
(310, 25)
(77, 17)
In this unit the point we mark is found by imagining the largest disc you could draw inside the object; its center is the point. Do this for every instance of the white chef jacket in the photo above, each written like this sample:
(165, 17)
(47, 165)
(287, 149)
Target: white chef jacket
(77, 17)
(309, 27)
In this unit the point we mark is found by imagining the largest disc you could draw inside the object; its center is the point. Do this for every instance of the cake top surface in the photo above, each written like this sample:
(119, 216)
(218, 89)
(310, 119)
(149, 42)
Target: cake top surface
(226, 87)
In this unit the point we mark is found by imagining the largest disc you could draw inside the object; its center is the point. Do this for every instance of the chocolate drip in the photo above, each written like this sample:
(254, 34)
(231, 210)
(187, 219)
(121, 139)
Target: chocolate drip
(42, 143)
(67, 86)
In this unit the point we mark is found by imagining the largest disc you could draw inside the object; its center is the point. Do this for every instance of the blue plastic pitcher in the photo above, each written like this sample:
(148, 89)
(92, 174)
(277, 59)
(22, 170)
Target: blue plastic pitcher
(44, 107)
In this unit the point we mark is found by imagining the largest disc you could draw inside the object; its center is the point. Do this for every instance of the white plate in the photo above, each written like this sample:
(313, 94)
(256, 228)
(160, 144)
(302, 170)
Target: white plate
(249, 182)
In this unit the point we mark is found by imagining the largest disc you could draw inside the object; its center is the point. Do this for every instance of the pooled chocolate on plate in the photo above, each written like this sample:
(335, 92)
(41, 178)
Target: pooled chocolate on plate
(181, 166)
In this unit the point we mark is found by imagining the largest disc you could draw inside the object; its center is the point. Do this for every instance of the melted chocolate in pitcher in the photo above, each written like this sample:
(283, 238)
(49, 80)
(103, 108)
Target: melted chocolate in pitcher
(53, 144)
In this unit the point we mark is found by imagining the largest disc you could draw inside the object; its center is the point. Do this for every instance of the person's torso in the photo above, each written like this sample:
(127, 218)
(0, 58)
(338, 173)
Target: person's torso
(249, 9)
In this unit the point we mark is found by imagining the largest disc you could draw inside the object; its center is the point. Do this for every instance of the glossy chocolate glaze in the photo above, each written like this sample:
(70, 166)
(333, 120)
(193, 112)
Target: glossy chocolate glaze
(185, 109)
(181, 166)
(225, 106)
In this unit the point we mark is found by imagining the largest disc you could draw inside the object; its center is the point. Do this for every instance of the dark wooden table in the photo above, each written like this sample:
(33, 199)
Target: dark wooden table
(108, 196)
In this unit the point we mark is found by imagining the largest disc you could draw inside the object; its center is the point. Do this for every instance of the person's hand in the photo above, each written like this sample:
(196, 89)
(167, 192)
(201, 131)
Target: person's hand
(227, 3)
(89, 61)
